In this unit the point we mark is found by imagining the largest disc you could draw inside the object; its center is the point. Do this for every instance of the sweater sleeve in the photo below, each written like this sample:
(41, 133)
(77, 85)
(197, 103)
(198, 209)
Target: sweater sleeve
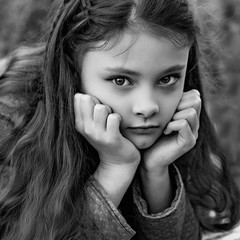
(178, 222)
(106, 220)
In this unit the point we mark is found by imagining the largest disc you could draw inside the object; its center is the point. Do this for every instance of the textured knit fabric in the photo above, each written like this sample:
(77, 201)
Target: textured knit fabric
(176, 222)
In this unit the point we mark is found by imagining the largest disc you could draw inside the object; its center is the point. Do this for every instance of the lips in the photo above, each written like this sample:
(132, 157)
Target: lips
(144, 129)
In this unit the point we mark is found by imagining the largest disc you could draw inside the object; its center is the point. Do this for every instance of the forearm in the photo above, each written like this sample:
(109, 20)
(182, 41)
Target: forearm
(103, 220)
(115, 179)
(180, 214)
(157, 189)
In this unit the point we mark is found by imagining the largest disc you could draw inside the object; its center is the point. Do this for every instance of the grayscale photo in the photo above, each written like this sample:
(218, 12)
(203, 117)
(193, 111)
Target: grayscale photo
(119, 120)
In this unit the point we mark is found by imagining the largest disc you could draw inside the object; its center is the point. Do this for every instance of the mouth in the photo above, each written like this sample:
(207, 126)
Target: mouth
(144, 129)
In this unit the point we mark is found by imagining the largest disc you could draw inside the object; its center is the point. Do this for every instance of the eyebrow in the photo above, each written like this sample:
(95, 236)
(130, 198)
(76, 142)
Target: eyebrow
(177, 67)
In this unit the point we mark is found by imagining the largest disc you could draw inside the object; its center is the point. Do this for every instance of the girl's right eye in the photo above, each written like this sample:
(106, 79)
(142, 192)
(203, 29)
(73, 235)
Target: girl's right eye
(121, 81)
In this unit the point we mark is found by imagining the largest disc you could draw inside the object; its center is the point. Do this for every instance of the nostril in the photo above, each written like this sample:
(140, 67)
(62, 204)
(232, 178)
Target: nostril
(146, 110)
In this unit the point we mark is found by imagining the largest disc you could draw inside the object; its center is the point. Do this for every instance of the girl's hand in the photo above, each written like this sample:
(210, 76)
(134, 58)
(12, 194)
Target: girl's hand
(100, 127)
(180, 134)
(119, 158)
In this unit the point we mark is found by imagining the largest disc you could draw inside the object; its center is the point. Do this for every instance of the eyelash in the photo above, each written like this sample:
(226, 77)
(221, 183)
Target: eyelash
(114, 78)
(176, 77)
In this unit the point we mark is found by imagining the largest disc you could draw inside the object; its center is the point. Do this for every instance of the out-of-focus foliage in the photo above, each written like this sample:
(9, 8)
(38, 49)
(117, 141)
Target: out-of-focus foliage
(224, 102)
(20, 21)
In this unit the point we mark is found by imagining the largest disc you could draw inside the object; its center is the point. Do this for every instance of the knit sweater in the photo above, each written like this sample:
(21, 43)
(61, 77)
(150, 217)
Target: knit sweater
(176, 222)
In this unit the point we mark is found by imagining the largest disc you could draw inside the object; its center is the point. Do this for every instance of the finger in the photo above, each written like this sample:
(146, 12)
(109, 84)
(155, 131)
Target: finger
(191, 99)
(190, 93)
(86, 107)
(185, 135)
(76, 105)
(77, 112)
(113, 123)
(192, 118)
(194, 92)
(100, 115)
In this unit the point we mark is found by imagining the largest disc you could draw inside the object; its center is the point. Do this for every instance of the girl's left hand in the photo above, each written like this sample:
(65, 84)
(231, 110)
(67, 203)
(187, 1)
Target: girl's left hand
(179, 137)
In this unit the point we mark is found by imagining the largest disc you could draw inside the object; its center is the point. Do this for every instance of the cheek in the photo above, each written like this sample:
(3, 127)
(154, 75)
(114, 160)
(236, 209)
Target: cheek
(116, 103)
(106, 96)
(169, 109)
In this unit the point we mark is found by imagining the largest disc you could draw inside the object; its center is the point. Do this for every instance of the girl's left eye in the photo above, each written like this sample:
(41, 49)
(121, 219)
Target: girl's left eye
(168, 80)
(121, 81)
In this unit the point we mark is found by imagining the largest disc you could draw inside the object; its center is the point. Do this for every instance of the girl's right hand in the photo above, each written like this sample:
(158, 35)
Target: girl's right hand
(100, 127)
(119, 158)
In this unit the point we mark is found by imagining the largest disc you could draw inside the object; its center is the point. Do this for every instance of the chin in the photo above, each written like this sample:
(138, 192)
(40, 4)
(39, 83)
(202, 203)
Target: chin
(143, 145)
(143, 142)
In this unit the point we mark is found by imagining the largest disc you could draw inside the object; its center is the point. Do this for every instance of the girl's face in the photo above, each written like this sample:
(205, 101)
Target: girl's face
(142, 80)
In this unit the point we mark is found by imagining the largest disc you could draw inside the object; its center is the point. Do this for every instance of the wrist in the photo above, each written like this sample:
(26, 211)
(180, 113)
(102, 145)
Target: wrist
(115, 179)
(112, 161)
(156, 188)
(113, 171)
(152, 173)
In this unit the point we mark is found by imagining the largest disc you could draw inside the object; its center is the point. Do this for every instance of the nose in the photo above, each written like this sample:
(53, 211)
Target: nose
(145, 106)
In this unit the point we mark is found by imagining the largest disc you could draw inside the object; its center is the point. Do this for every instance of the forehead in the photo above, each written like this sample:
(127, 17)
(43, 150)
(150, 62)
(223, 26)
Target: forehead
(138, 51)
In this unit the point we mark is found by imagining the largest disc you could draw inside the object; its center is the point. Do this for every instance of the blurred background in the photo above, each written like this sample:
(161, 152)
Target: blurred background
(21, 22)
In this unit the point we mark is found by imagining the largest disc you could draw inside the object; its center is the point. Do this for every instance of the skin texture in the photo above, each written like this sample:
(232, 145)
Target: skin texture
(137, 82)
(143, 99)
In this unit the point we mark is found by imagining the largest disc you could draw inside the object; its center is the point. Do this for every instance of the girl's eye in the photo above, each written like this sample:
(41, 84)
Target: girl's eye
(169, 80)
(121, 81)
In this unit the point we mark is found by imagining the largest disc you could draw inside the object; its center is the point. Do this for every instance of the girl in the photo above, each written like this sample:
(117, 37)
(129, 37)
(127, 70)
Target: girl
(114, 141)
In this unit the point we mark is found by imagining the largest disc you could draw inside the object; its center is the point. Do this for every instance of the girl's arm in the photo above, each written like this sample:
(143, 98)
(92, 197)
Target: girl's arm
(115, 179)
(180, 136)
(176, 222)
(158, 189)
(119, 158)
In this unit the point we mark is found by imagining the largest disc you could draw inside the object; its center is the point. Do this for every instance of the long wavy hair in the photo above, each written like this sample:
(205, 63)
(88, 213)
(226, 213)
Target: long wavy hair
(49, 162)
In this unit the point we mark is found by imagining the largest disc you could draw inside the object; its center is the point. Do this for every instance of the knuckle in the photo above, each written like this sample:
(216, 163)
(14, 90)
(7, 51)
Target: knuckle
(105, 109)
(114, 117)
(76, 100)
(77, 96)
(102, 108)
(197, 101)
(98, 107)
(192, 112)
(184, 123)
(86, 98)
(196, 92)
